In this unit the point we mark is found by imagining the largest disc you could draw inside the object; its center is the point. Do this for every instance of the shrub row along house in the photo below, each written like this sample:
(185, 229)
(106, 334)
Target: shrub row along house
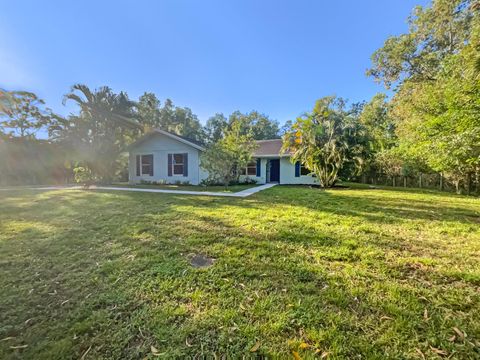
(164, 157)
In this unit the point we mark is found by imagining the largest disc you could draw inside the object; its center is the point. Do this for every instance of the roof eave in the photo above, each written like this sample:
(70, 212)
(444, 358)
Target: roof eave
(271, 155)
(166, 133)
(178, 138)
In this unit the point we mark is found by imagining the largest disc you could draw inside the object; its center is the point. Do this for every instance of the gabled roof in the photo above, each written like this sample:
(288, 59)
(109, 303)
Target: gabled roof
(269, 148)
(182, 139)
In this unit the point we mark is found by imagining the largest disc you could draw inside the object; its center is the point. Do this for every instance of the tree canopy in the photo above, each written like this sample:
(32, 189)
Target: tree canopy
(326, 139)
(435, 107)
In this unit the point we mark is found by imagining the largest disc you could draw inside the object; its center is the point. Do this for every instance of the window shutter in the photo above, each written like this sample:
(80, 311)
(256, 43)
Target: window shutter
(138, 164)
(170, 164)
(151, 167)
(259, 167)
(185, 164)
(297, 169)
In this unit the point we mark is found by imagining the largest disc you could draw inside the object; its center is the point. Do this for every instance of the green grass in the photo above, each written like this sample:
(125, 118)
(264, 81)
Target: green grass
(351, 273)
(212, 188)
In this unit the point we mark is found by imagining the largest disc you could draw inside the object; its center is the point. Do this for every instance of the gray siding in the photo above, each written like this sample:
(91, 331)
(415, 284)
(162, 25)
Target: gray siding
(160, 146)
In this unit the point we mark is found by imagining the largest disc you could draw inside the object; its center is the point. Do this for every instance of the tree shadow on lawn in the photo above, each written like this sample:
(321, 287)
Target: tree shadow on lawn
(380, 205)
(381, 293)
(129, 251)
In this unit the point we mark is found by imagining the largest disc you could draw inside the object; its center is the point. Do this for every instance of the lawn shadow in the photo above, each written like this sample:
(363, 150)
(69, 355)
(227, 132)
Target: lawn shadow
(293, 267)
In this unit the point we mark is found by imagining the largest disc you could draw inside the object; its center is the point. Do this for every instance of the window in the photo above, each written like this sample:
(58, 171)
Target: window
(145, 165)
(304, 170)
(251, 169)
(178, 164)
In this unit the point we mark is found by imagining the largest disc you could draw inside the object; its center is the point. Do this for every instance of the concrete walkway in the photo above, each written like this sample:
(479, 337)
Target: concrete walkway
(240, 194)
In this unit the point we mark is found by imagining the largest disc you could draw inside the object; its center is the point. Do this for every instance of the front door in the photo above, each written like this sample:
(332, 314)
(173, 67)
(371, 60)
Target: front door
(275, 170)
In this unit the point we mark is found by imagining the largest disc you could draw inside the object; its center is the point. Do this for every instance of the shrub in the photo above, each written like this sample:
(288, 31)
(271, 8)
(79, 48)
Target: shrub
(84, 176)
(248, 181)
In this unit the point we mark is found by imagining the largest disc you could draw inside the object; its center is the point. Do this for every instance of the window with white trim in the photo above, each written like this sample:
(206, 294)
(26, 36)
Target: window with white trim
(178, 163)
(145, 166)
(250, 169)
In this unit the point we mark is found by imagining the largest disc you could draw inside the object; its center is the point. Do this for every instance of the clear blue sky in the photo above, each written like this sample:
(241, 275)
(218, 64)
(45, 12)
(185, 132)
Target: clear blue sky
(276, 57)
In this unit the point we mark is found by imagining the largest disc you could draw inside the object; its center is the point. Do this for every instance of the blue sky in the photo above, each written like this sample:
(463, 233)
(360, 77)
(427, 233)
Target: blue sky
(276, 57)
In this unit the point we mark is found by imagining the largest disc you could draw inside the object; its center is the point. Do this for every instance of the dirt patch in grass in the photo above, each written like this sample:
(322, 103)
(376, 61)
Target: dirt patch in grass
(201, 261)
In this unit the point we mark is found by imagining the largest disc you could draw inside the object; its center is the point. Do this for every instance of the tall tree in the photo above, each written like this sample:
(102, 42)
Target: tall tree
(101, 131)
(435, 105)
(224, 158)
(148, 108)
(439, 121)
(319, 139)
(25, 116)
(186, 123)
(179, 120)
(258, 125)
(435, 32)
(378, 123)
(216, 127)
(7, 102)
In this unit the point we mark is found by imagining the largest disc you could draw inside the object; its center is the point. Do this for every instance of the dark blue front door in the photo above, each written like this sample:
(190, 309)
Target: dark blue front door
(275, 170)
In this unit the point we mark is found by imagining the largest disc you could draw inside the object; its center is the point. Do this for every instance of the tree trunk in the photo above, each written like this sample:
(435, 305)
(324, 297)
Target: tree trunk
(420, 181)
(404, 181)
(469, 183)
(441, 181)
(477, 181)
(393, 181)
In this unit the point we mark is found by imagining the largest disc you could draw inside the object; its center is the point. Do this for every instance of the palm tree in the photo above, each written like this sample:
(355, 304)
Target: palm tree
(105, 125)
(317, 140)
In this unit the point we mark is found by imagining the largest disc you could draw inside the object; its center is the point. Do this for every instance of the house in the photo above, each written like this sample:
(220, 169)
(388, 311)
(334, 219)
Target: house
(164, 157)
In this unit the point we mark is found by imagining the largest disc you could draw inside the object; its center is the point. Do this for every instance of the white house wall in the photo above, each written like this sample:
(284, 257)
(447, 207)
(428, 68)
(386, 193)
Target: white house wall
(287, 174)
(160, 146)
(262, 179)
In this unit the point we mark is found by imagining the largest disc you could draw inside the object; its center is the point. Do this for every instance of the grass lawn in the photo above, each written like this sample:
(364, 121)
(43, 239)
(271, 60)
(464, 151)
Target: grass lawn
(232, 188)
(343, 274)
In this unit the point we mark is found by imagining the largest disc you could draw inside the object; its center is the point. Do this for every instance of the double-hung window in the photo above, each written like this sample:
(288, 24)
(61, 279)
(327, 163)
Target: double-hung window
(250, 169)
(178, 164)
(145, 165)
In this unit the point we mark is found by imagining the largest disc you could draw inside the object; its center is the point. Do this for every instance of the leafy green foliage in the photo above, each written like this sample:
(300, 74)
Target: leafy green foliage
(223, 159)
(169, 117)
(435, 109)
(435, 32)
(24, 114)
(84, 176)
(100, 132)
(254, 124)
(440, 119)
(325, 139)
(216, 127)
(7, 102)
(378, 123)
(258, 125)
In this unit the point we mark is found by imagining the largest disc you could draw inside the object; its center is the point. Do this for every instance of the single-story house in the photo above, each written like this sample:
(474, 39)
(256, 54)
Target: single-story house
(163, 157)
